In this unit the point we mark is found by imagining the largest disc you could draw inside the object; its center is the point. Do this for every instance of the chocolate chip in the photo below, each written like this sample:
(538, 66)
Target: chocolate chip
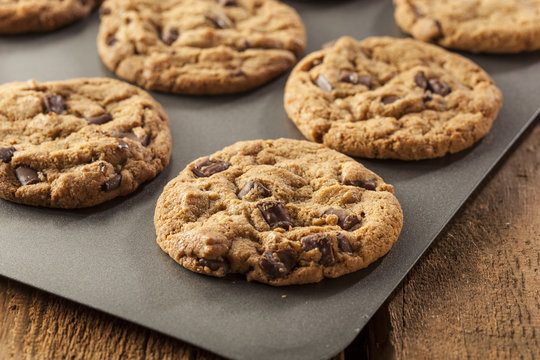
(122, 145)
(321, 242)
(207, 167)
(427, 96)
(252, 184)
(277, 264)
(389, 99)
(228, 3)
(54, 103)
(113, 183)
(346, 220)
(170, 36)
(439, 87)
(111, 40)
(145, 140)
(420, 80)
(221, 22)
(275, 214)
(104, 11)
(27, 176)
(366, 184)
(324, 84)
(212, 263)
(7, 153)
(344, 244)
(354, 78)
(100, 119)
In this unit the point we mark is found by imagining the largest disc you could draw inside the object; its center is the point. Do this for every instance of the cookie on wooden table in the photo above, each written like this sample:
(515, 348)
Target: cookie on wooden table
(385, 97)
(23, 16)
(281, 212)
(199, 46)
(78, 143)
(493, 26)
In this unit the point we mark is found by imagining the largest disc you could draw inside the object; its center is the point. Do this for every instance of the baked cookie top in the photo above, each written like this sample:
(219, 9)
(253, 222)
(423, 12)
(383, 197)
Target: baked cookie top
(281, 212)
(495, 26)
(384, 97)
(22, 16)
(199, 46)
(78, 143)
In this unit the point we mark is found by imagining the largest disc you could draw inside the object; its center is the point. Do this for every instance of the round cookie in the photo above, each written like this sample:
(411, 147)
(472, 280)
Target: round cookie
(78, 143)
(391, 98)
(199, 47)
(23, 16)
(493, 26)
(281, 212)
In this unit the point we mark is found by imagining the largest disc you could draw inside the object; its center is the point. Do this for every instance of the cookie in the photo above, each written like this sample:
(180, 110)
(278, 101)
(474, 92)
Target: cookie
(391, 98)
(78, 143)
(281, 212)
(199, 46)
(24, 16)
(493, 26)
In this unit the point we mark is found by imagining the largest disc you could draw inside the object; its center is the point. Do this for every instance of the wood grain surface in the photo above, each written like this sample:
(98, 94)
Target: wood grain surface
(474, 294)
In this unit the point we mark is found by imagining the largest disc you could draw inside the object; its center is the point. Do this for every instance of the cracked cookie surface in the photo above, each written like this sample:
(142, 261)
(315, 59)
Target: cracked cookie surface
(78, 143)
(391, 98)
(22, 16)
(494, 26)
(199, 46)
(281, 212)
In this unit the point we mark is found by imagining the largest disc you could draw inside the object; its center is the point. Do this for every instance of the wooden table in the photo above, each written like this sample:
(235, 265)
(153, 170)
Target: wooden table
(474, 294)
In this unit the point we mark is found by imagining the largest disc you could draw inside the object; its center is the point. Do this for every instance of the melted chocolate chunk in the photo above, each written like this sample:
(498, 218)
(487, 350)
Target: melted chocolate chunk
(346, 220)
(7, 153)
(113, 183)
(27, 176)
(100, 119)
(54, 103)
(207, 167)
(212, 263)
(111, 40)
(264, 191)
(439, 87)
(321, 242)
(420, 80)
(366, 184)
(122, 145)
(228, 3)
(275, 214)
(354, 78)
(389, 99)
(170, 36)
(344, 244)
(277, 264)
(323, 83)
(221, 22)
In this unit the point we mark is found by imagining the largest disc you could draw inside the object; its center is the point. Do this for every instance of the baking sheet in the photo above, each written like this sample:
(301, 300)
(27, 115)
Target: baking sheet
(106, 257)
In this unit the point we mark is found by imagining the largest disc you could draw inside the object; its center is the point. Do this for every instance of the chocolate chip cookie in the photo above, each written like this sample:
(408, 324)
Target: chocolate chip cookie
(494, 26)
(281, 212)
(199, 46)
(391, 98)
(23, 16)
(78, 143)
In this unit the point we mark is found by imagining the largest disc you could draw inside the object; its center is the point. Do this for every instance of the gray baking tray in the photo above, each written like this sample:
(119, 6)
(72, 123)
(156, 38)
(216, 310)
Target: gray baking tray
(106, 257)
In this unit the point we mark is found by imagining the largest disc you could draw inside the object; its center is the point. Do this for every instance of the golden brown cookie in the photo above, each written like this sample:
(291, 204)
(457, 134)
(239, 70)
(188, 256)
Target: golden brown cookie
(494, 26)
(23, 16)
(78, 143)
(281, 212)
(391, 98)
(199, 46)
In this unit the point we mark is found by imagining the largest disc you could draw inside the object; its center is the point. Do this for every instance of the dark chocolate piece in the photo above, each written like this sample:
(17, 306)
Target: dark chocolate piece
(275, 214)
(100, 119)
(366, 184)
(170, 36)
(344, 244)
(420, 80)
(323, 243)
(207, 167)
(54, 103)
(439, 87)
(277, 264)
(265, 192)
(27, 176)
(346, 220)
(389, 99)
(113, 183)
(7, 153)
